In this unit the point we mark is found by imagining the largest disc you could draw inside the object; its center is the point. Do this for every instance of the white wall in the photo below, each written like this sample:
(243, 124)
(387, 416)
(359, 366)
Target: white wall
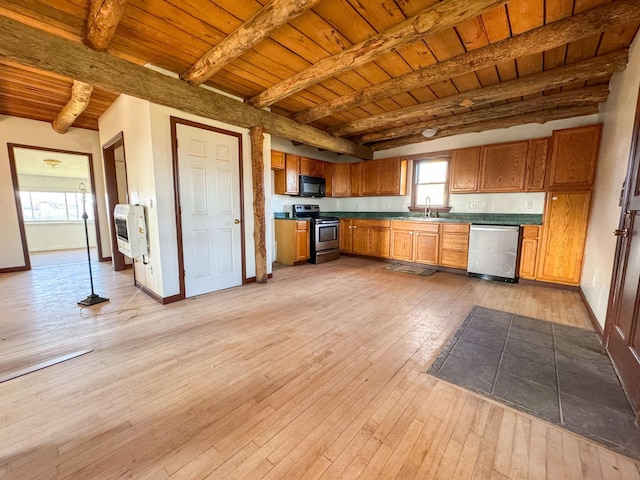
(617, 114)
(40, 134)
(45, 236)
(147, 138)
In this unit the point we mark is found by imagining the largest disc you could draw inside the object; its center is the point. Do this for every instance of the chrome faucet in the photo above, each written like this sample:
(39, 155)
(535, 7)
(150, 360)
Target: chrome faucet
(427, 207)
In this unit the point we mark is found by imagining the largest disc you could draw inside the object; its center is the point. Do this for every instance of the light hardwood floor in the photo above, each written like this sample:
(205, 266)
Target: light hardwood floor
(320, 374)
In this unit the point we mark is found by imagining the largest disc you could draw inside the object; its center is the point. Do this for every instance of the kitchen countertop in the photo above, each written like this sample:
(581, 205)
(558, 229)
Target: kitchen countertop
(473, 218)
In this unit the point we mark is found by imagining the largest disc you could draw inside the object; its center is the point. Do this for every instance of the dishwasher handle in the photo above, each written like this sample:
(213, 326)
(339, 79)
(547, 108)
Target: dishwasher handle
(495, 228)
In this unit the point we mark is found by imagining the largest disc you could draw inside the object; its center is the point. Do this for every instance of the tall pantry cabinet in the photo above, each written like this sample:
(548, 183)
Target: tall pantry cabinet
(569, 183)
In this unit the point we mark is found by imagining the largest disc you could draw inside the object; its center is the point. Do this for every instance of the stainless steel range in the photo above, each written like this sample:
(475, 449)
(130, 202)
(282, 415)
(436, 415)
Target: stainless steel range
(324, 233)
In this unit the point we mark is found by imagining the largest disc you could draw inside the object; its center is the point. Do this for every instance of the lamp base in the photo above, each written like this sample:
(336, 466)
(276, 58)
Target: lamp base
(92, 300)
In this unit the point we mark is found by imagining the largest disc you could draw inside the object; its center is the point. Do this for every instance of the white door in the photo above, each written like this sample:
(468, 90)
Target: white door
(210, 203)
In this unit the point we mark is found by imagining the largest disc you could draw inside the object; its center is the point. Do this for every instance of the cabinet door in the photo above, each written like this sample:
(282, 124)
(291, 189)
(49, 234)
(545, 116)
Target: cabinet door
(318, 168)
(465, 170)
(302, 240)
(528, 255)
(360, 240)
(537, 164)
(393, 176)
(345, 235)
(379, 242)
(292, 171)
(402, 244)
(328, 175)
(563, 237)
(370, 172)
(306, 166)
(277, 160)
(426, 247)
(573, 156)
(504, 167)
(355, 170)
(341, 180)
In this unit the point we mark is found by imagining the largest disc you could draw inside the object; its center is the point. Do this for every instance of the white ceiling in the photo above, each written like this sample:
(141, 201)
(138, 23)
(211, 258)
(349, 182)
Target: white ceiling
(31, 162)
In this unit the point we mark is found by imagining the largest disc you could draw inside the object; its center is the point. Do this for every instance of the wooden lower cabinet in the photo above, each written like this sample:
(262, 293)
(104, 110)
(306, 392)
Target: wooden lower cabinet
(454, 245)
(415, 241)
(563, 236)
(365, 237)
(530, 235)
(292, 240)
(346, 237)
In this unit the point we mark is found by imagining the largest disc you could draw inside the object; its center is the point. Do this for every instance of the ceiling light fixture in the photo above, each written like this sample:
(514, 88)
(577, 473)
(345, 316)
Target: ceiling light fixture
(52, 162)
(429, 132)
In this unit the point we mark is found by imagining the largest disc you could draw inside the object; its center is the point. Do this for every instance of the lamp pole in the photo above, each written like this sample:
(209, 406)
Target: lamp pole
(93, 298)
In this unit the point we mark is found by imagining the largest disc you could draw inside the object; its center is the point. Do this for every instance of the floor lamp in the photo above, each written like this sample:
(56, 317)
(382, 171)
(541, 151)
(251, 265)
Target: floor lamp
(93, 298)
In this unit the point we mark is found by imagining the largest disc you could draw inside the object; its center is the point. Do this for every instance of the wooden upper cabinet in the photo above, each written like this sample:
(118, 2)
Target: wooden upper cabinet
(573, 157)
(537, 164)
(563, 236)
(370, 177)
(340, 180)
(286, 181)
(306, 166)
(355, 171)
(393, 176)
(277, 160)
(328, 176)
(504, 167)
(465, 170)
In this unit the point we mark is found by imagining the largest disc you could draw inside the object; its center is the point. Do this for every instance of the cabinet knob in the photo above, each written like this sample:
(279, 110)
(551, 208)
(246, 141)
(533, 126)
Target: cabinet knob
(621, 233)
(410, 233)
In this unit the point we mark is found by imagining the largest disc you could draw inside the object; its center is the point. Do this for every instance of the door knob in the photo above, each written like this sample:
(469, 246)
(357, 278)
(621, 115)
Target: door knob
(236, 221)
(621, 233)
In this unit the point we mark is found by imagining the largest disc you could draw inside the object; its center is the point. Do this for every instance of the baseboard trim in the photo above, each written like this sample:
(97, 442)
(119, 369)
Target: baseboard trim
(594, 321)
(158, 298)
(253, 279)
(558, 286)
(14, 269)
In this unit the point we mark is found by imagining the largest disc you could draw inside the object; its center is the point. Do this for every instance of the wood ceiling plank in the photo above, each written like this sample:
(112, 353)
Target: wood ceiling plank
(488, 76)
(438, 18)
(61, 30)
(466, 82)
(393, 64)
(353, 79)
(445, 45)
(412, 7)
(218, 16)
(417, 55)
(603, 66)
(472, 34)
(341, 15)
(423, 94)
(525, 15)
(72, 59)
(380, 15)
(496, 24)
(530, 64)
(296, 41)
(619, 38)
(444, 89)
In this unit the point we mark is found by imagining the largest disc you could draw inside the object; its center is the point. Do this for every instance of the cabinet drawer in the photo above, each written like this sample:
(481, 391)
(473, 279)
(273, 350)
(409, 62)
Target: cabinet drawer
(449, 258)
(455, 242)
(455, 228)
(530, 231)
(416, 226)
(372, 223)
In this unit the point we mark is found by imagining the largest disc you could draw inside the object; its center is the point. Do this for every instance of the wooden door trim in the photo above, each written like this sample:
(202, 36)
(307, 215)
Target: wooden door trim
(622, 247)
(108, 158)
(175, 121)
(16, 192)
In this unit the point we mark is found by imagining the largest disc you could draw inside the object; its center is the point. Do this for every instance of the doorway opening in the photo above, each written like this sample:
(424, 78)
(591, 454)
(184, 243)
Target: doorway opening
(47, 185)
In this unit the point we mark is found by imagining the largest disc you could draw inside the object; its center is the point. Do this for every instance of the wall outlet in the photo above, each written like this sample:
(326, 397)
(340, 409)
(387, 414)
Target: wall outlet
(474, 204)
(529, 204)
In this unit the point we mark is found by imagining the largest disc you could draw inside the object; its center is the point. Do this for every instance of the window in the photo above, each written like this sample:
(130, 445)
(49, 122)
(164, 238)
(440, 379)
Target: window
(430, 181)
(54, 206)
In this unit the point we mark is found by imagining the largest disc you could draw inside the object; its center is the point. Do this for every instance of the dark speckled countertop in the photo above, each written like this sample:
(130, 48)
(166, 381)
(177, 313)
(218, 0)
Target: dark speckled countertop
(476, 218)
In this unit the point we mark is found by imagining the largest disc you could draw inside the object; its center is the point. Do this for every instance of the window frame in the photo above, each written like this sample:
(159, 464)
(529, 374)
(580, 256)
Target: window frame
(432, 157)
(68, 206)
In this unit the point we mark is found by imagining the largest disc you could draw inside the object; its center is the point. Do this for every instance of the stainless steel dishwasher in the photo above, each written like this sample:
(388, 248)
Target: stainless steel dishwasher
(493, 252)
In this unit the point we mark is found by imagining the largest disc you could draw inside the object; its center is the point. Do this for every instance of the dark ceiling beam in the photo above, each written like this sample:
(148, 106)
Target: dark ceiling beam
(39, 49)
(432, 20)
(542, 116)
(578, 97)
(593, 70)
(570, 29)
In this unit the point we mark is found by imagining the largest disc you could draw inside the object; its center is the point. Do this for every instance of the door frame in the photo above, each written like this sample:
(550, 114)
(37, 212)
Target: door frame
(622, 246)
(111, 187)
(16, 191)
(175, 121)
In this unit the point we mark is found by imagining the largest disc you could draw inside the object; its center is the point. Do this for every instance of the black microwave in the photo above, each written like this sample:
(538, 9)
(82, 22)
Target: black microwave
(311, 186)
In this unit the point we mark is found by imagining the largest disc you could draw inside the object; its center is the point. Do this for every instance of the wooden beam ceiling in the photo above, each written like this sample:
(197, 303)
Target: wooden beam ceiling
(598, 68)
(246, 36)
(52, 53)
(432, 20)
(80, 96)
(588, 96)
(104, 16)
(552, 35)
(542, 116)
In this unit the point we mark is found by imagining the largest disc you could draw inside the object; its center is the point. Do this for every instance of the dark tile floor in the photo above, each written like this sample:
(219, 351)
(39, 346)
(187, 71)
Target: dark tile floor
(555, 372)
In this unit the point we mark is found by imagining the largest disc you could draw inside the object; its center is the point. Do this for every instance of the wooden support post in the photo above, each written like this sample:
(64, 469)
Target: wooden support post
(256, 135)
